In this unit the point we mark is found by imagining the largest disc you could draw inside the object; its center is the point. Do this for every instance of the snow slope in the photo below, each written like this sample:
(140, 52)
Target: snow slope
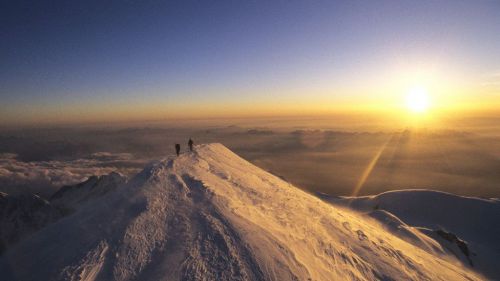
(475, 221)
(21, 215)
(210, 215)
(72, 196)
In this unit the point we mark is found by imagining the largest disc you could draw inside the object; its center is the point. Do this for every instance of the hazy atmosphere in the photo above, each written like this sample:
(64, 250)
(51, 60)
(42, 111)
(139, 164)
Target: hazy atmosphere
(312, 153)
(314, 92)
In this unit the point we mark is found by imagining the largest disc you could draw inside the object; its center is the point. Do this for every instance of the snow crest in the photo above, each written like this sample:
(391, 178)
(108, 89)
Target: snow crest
(210, 215)
(465, 227)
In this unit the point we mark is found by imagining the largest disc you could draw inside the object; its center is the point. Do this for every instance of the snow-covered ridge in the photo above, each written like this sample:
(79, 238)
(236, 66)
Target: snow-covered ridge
(22, 215)
(466, 226)
(72, 196)
(210, 215)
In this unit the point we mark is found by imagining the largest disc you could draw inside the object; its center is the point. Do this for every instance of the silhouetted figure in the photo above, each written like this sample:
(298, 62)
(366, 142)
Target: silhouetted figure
(190, 143)
(177, 148)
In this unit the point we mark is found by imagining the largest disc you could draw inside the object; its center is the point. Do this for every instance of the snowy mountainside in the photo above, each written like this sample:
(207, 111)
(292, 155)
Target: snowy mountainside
(72, 196)
(467, 226)
(210, 215)
(22, 215)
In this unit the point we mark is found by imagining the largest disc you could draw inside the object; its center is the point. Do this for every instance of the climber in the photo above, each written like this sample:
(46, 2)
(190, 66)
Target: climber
(177, 148)
(190, 143)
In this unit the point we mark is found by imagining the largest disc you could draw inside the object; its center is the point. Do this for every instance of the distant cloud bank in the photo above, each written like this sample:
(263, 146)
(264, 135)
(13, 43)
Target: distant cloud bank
(45, 177)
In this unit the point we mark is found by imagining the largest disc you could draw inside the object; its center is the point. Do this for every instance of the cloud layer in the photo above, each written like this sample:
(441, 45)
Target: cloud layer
(330, 161)
(45, 177)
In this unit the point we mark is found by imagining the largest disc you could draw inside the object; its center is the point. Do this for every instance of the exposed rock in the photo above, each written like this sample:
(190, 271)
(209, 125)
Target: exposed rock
(461, 244)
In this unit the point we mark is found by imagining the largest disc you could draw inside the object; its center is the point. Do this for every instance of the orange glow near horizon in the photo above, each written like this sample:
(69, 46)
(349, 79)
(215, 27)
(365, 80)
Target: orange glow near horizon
(403, 108)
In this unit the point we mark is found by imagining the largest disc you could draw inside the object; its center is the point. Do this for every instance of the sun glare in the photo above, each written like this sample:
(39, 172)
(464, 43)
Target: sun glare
(417, 100)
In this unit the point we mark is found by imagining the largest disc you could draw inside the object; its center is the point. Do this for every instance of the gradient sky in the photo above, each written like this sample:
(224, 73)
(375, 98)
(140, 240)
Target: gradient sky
(98, 60)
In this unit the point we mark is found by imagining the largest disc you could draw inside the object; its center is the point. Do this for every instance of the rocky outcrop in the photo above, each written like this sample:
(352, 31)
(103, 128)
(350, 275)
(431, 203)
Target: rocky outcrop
(453, 239)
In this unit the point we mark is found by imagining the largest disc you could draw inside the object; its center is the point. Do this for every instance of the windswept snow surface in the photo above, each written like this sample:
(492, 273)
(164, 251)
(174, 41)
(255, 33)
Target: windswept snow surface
(476, 221)
(73, 196)
(210, 215)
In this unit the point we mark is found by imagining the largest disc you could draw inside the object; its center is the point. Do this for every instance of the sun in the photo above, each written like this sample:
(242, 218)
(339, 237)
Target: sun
(417, 100)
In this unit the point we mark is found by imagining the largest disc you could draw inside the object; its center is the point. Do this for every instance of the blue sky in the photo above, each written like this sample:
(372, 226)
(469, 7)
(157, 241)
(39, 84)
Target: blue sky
(65, 54)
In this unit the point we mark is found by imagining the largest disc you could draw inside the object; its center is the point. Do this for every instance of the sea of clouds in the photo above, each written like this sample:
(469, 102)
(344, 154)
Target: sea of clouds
(42, 160)
(45, 177)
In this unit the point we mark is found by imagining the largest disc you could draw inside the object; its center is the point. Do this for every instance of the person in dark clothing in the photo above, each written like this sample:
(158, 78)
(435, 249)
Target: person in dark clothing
(177, 148)
(190, 143)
